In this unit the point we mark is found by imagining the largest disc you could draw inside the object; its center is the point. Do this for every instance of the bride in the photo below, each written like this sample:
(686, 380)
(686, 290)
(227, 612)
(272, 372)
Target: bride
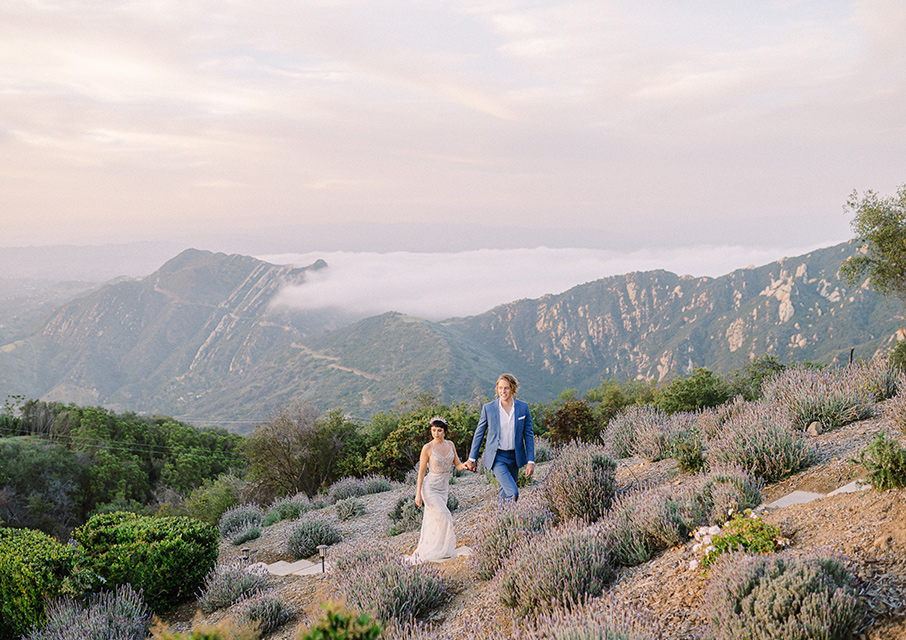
(438, 457)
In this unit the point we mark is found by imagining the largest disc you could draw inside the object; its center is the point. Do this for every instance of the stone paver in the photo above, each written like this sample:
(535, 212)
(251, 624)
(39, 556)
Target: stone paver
(853, 487)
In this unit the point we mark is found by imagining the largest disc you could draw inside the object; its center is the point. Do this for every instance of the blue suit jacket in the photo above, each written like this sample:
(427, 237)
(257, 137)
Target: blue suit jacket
(489, 423)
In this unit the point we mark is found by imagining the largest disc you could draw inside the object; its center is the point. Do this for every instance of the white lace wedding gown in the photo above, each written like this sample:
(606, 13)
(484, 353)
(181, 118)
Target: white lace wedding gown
(437, 540)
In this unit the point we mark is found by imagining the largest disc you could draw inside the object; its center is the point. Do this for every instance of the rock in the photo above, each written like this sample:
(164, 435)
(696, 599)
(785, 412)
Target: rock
(815, 429)
(882, 542)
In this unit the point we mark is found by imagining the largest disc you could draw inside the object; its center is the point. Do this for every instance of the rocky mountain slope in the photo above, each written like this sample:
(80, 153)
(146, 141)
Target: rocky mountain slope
(201, 340)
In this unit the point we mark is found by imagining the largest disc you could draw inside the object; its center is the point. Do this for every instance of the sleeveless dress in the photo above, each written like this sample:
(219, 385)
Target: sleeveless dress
(437, 540)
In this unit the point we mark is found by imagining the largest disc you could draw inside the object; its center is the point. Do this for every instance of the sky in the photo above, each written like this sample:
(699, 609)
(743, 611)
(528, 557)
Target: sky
(688, 130)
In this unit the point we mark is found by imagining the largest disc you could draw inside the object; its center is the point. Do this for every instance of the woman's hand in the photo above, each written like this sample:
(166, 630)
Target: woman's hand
(418, 500)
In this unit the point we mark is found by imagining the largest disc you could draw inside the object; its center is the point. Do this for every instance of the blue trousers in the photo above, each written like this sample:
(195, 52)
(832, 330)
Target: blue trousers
(506, 472)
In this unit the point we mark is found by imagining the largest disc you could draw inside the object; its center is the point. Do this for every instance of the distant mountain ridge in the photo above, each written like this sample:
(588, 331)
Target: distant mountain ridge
(201, 340)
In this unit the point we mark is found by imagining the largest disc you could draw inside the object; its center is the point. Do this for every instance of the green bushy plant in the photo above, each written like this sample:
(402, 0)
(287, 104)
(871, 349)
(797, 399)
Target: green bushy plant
(120, 614)
(885, 461)
(378, 580)
(502, 531)
(167, 558)
(33, 566)
(404, 516)
(563, 565)
(581, 482)
(781, 596)
(689, 452)
(762, 442)
(228, 582)
(543, 451)
(742, 532)
(209, 501)
(349, 508)
(307, 534)
(698, 390)
(339, 623)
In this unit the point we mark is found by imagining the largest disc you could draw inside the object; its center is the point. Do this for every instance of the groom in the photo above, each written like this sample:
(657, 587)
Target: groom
(511, 442)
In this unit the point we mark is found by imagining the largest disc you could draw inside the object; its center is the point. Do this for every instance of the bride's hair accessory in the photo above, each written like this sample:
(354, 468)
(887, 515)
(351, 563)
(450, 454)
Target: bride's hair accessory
(437, 421)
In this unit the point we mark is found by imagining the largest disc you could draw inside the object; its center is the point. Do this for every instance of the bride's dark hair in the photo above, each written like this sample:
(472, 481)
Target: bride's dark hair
(437, 421)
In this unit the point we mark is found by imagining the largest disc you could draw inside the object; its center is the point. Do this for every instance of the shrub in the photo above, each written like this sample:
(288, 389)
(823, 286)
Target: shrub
(743, 532)
(349, 508)
(748, 382)
(167, 558)
(878, 376)
(346, 488)
(377, 579)
(120, 614)
(502, 531)
(612, 396)
(32, 566)
(885, 462)
(264, 611)
(209, 501)
(307, 534)
(780, 596)
(227, 583)
(581, 482)
(377, 484)
(574, 420)
(833, 397)
(562, 565)
(897, 356)
(404, 516)
(239, 518)
(762, 442)
(643, 521)
(689, 452)
(639, 430)
(895, 410)
(698, 390)
(339, 623)
(248, 531)
(597, 619)
(287, 508)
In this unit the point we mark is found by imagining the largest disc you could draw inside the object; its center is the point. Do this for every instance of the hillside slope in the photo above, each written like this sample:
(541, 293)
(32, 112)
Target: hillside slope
(868, 528)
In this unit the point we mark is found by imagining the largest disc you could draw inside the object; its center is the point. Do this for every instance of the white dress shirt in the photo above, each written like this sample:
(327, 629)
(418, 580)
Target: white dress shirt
(507, 427)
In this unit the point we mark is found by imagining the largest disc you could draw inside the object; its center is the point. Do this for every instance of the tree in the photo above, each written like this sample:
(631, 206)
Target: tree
(880, 227)
(296, 450)
(698, 390)
(574, 421)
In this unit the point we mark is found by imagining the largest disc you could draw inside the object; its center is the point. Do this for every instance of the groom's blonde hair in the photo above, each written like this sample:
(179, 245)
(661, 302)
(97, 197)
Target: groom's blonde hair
(509, 377)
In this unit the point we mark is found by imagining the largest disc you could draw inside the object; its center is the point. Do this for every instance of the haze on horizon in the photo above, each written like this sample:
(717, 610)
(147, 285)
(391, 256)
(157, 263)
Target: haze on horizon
(286, 127)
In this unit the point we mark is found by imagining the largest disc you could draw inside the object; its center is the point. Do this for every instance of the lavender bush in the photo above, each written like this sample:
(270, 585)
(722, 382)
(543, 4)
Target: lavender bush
(349, 508)
(307, 533)
(563, 565)
(376, 484)
(264, 611)
(895, 411)
(378, 580)
(287, 508)
(832, 397)
(239, 518)
(346, 488)
(581, 482)
(619, 435)
(762, 442)
(227, 583)
(781, 596)
(120, 614)
(502, 531)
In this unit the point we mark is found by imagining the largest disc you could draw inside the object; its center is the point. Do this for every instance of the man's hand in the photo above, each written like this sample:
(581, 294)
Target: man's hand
(529, 469)
(470, 465)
